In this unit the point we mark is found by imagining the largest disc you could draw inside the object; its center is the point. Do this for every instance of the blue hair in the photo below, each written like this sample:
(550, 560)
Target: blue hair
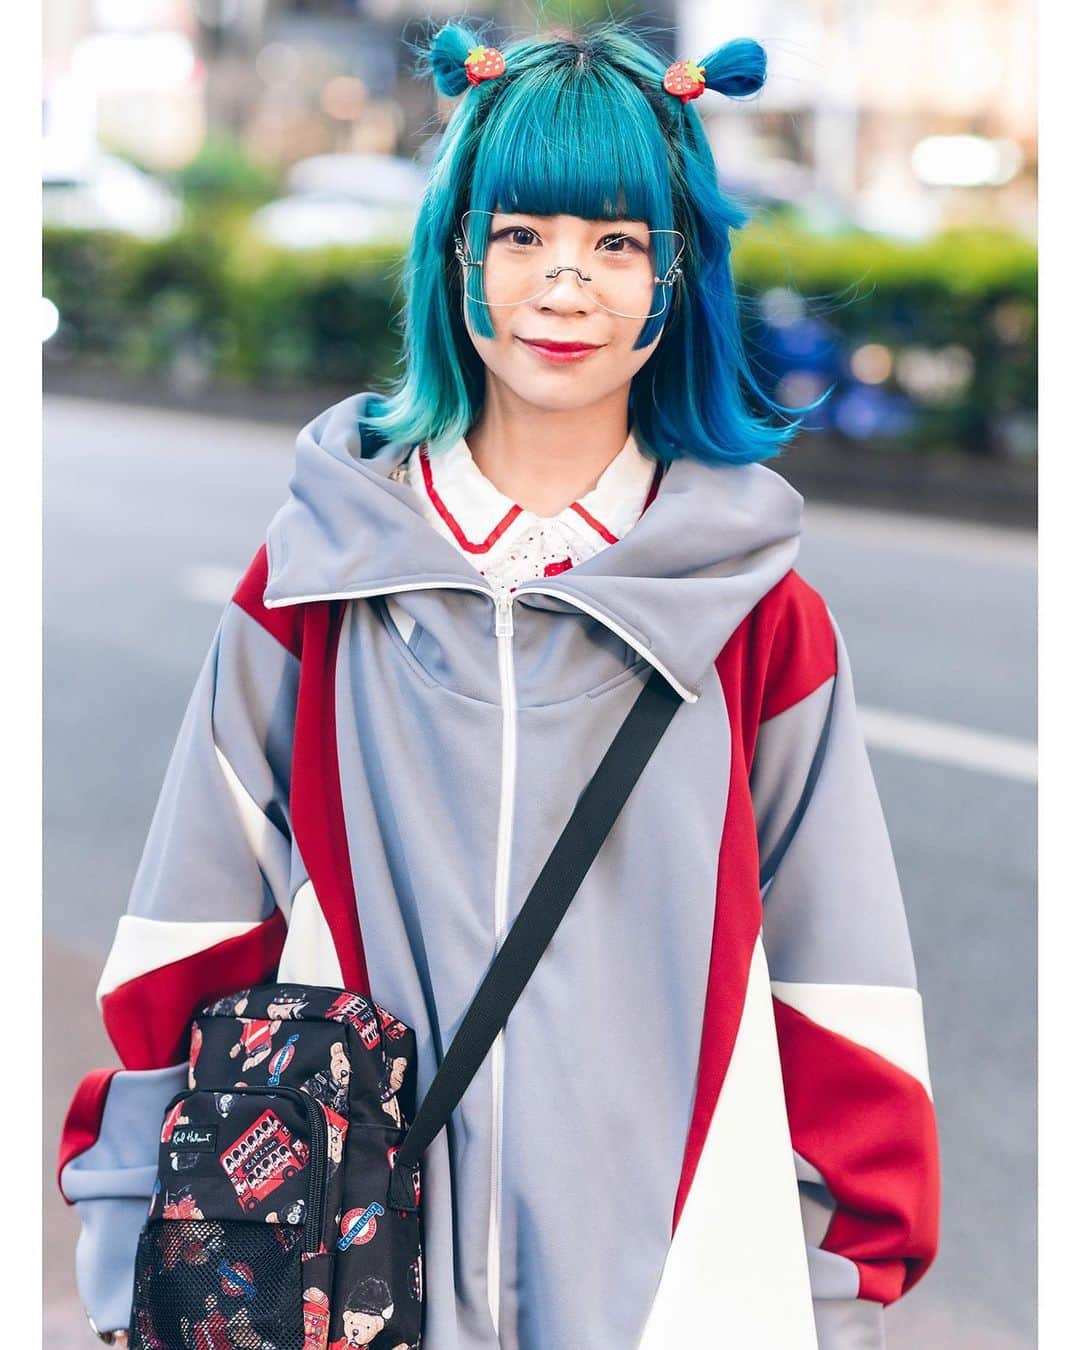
(581, 125)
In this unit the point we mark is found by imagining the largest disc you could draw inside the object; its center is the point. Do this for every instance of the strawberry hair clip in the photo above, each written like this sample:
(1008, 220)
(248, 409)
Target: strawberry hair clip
(484, 63)
(736, 69)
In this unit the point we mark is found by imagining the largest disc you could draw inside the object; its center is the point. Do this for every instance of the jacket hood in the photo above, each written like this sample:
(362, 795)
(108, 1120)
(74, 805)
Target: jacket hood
(713, 541)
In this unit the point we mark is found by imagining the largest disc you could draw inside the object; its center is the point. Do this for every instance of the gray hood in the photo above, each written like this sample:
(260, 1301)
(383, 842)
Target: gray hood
(714, 540)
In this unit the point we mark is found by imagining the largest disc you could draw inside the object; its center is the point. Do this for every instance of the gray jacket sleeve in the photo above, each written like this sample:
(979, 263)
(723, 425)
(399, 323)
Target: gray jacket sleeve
(848, 1013)
(207, 914)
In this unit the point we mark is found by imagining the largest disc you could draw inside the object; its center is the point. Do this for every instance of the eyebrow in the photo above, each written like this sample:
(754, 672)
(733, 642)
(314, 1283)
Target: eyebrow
(599, 224)
(535, 223)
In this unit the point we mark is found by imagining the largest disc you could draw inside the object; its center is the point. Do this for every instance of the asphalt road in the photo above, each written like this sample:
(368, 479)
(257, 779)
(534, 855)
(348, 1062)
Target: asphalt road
(151, 516)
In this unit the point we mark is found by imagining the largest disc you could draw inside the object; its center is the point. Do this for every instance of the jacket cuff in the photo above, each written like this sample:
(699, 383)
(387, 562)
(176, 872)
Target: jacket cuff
(849, 1324)
(109, 1179)
(105, 1258)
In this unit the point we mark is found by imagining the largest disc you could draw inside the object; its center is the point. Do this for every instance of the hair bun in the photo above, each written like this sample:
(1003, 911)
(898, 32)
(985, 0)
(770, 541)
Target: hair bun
(444, 59)
(736, 69)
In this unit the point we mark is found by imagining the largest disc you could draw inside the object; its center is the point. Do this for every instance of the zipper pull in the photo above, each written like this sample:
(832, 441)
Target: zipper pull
(504, 616)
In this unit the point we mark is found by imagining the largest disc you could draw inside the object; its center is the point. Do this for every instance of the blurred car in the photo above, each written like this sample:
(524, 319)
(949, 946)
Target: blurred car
(344, 199)
(104, 192)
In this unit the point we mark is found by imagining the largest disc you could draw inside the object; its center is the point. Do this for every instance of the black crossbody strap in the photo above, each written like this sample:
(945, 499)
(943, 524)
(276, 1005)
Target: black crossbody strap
(540, 915)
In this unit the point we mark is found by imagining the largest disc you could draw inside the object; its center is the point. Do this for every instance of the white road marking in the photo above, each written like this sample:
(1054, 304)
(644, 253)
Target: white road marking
(904, 733)
(948, 743)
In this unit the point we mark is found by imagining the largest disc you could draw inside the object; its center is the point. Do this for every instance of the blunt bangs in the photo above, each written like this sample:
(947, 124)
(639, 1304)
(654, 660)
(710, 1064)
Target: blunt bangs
(572, 143)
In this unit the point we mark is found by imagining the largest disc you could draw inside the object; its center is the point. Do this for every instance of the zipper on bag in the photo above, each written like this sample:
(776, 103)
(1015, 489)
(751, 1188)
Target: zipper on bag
(315, 1218)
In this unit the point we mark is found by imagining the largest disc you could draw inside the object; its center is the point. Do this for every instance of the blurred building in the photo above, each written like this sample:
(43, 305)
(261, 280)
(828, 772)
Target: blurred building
(333, 76)
(898, 115)
(122, 73)
(901, 115)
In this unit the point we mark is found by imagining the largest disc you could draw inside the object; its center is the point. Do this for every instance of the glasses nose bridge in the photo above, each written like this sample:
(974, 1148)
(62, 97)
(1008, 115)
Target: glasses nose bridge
(580, 285)
(553, 272)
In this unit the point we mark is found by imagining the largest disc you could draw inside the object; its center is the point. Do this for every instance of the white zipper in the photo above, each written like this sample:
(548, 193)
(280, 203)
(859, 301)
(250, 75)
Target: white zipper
(504, 635)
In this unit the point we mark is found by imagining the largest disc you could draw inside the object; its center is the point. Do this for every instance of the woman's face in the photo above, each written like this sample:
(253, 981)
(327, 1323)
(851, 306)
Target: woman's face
(564, 313)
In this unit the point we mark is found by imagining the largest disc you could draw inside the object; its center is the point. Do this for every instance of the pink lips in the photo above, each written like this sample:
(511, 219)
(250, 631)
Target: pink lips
(560, 352)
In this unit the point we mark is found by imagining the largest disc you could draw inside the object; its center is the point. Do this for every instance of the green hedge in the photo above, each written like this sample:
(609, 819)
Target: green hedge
(247, 313)
(241, 312)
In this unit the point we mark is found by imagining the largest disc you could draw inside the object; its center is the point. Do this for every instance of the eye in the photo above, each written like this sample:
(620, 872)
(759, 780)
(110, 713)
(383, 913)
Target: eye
(515, 230)
(611, 243)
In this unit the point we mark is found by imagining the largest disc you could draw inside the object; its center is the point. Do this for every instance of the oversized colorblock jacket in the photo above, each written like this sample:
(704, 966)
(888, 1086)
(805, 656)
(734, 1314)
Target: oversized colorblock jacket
(710, 1112)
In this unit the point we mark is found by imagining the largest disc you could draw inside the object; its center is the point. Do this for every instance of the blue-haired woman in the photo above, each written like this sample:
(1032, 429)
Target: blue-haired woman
(708, 1120)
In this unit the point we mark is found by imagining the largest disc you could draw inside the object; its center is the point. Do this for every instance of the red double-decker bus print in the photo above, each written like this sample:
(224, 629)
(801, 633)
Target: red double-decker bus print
(358, 1012)
(263, 1157)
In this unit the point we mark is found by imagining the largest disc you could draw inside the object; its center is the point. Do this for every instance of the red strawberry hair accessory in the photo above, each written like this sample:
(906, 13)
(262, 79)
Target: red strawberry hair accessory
(484, 63)
(685, 79)
(735, 69)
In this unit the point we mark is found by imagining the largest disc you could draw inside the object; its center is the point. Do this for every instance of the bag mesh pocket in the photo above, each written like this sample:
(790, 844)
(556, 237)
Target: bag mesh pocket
(206, 1285)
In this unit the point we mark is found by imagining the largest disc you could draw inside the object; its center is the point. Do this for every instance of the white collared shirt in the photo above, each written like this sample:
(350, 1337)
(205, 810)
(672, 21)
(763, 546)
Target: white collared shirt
(509, 544)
